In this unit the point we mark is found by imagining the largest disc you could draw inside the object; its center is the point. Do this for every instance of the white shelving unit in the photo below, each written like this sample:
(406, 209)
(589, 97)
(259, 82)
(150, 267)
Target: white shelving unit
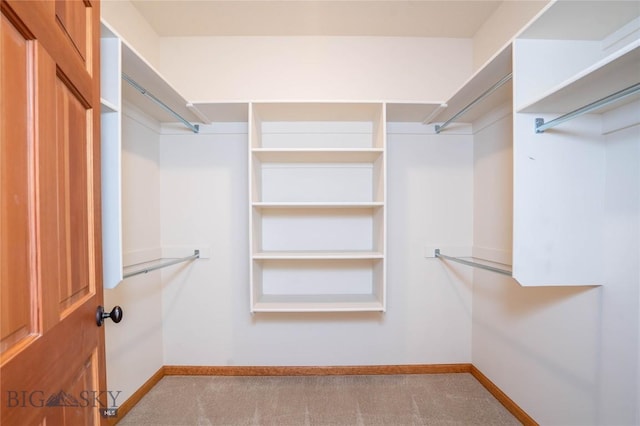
(317, 215)
(560, 175)
(111, 130)
(118, 58)
(556, 218)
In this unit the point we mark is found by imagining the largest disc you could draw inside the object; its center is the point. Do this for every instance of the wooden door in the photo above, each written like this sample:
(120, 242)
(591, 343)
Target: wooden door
(51, 350)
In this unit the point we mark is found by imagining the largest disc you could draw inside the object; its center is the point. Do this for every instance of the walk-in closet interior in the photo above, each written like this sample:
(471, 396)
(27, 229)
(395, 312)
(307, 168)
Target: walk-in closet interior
(291, 199)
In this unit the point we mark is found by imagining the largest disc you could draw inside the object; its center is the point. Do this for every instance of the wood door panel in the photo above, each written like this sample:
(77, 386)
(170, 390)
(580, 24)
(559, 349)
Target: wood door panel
(25, 389)
(39, 16)
(52, 247)
(72, 142)
(18, 296)
(83, 390)
(72, 16)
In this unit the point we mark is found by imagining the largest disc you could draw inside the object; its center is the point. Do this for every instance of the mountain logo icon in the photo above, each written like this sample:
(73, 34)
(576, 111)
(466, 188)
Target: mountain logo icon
(62, 399)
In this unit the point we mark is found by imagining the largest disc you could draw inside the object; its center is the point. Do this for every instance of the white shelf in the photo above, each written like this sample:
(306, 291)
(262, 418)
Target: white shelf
(318, 255)
(222, 112)
(328, 155)
(138, 69)
(581, 20)
(106, 106)
(317, 213)
(317, 111)
(492, 72)
(609, 75)
(324, 303)
(318, 205)
(118, 58)
(573, 55)
(407, 112)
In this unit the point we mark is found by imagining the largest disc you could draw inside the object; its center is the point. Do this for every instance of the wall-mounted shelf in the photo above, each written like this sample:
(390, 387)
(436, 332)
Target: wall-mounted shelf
(494, 70)
(617, 71)
(345, 155)
(409, 112)
(561, 72)
(139, 70)
(118, 58)
(319, 255)
(318, 205)
(222, 111)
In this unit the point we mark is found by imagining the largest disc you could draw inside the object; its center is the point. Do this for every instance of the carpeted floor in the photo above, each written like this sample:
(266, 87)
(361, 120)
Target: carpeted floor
(431, 399)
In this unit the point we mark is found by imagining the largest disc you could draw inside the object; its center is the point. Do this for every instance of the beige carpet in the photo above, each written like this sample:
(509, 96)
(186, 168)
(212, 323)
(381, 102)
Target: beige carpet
(431, 399)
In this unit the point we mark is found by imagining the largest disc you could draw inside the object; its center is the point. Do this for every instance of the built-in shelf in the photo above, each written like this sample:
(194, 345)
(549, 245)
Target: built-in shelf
(143, 73)
(221, 111)
(317, 211)
(107, 106)
(317, 155)
(318, 205)
(491, 73)
(573, 55)
(117, 59)
(346, 255)
(318, 303)
(617, 71)
(408, 112)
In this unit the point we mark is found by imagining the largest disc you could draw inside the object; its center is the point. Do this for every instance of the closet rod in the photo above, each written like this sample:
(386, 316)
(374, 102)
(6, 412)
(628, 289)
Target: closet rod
(474, 264)
(541, 126)
(194, 127)
(194, 256)
(486, 93)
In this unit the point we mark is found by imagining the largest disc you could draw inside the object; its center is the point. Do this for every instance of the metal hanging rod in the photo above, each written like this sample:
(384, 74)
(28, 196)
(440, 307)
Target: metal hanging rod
(541, 126)
(194, 127)
(474, 264)
(486, 93)
(194, 256)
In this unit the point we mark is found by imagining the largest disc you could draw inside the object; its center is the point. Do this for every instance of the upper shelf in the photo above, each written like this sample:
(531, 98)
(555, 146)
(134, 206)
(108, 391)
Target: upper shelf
(590, 20)
(331, 155)
(118, 59)
(317, 111)
(495, 70)
(139, 70)
(612, 74)
(411, 112)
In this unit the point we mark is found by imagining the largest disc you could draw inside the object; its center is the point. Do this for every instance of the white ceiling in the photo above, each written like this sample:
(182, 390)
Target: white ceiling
(415, 18)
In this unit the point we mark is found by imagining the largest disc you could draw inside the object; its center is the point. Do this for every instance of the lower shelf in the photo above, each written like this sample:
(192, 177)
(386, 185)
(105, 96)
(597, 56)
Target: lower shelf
(319, 303)
(318, 284)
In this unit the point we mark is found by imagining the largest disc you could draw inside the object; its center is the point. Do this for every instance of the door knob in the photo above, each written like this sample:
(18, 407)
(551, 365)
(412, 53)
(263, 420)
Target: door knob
(115, 315)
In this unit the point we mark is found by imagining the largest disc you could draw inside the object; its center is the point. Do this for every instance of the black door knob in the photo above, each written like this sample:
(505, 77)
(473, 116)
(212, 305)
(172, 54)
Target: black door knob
(115, 315)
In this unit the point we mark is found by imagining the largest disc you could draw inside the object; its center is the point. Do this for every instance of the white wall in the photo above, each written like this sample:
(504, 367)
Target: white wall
(206, 318)
(315, 68)
(570, 355)
(134, 346)
(503, 24)
(131, 25)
